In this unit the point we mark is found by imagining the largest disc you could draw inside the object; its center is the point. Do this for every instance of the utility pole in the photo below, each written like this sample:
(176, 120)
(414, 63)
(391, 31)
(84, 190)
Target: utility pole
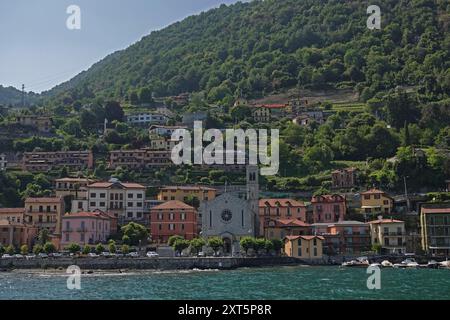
(23, 96)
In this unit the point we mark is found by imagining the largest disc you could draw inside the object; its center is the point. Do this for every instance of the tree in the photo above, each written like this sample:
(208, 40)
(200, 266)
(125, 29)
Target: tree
(2, 249)
(268, 246)
(247, 243)
(99, 248)
(112, 247)
(43, 237)
(179, 245)
(10, 250)
(135, 232)
(126, 239)
(260, 243)
(37, 249)
(174, 238)
(24, 249)
(114, 111)
(125, 249)
(74, 248)
(376, 247)
(277, 245)
(215, 243)
(49, 247)
(145, 95)
(197, 244)
(86, 250)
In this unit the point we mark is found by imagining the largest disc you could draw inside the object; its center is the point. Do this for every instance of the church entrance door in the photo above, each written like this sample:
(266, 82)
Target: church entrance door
(227, 245)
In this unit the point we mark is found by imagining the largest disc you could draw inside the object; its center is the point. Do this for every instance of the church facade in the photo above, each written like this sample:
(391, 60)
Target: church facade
(231, 217)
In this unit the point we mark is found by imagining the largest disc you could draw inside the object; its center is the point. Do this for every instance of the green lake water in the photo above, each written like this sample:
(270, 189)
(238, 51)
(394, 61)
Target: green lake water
(298, 283)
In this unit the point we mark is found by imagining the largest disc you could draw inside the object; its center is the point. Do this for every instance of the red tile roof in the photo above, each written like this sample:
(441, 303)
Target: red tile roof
(328, 198)
(373, 191)
(44, 200)
(304, 237)
(435, 210)
(12, 210)
(188, 188)
(280, 202)
(99, 215)
(291, 223)
(109, 184)
(173, 204)
(271, 106)
(385, 221)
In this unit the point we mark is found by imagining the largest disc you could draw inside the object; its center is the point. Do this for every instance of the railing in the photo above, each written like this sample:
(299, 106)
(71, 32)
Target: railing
(393, 233)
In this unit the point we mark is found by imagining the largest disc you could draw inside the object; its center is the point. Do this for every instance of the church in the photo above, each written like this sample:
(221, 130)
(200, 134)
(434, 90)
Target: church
(230, 216)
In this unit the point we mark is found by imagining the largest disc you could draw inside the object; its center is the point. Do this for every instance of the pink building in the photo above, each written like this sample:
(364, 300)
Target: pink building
(328, 208)
(270, 209)
(85, 228)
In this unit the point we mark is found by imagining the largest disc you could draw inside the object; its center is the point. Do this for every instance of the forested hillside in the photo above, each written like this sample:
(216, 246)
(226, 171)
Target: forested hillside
(265, 46)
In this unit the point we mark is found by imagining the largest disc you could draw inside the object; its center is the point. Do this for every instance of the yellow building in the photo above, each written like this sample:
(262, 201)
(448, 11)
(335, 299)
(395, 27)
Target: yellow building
(390, 234)
(376, 202)
(304, 247)
(44, 213)
(182, 193)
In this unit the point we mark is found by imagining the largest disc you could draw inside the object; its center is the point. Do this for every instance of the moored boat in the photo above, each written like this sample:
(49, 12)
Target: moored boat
(386, 264)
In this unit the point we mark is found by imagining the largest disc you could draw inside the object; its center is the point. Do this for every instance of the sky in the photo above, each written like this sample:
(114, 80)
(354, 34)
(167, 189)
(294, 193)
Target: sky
(38, 50)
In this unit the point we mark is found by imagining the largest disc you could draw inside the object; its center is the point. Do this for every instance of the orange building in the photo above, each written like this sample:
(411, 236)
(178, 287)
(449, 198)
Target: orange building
(17, 234)
(173, 218)
(139, 159)
(271, 209)
(45, 213)
(304, 247)
(182, 193)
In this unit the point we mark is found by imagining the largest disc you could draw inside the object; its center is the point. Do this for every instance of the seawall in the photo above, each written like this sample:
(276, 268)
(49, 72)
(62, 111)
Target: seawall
(114, 263)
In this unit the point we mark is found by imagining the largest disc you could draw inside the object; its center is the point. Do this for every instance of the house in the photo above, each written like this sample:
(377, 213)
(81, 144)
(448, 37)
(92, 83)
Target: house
(74, 188)
(328, 208)
(165, 130)
(17, 234)
(85, 228)
(162, 143)
(45, 161)
(280, 228)
(435, 229)
(139, 159)
(3, 161)
(376, 202)
(390, 234)
(45, 213)
(270, 209)
(304, 247)
(183, 193)
(308, 116)
(173, 218)
(124, 200)
(265, 112)
(41, 123)
(303, 120)
(344, 237)
(15, 215)
(145, 119)
(344, 178)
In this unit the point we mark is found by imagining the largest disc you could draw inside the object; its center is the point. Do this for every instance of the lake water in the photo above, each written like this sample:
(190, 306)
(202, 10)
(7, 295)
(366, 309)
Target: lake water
(298, 283)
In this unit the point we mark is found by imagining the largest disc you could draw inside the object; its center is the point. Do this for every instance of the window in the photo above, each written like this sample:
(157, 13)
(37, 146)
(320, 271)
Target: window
(139, 195)
(80, 205)
(315, 241)
(93, 195)
(171, 216)
(102, 204)
(102, 195)
(41, 209)
(315, 252)
(92, 204)
(171, 226)
(67, 225)
(182, 226)
(183, 216)
(366, 197)
(139, 204)
(377, 197)
(130, 204)
(160, 227)
(48, 209)
(67, 237)
(130, 214)
(130, 196)
(40, 219)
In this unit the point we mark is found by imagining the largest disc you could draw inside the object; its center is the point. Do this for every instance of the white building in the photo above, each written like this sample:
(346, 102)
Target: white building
(164, 130)
(147, 119)
(232, 217)
(124, 200)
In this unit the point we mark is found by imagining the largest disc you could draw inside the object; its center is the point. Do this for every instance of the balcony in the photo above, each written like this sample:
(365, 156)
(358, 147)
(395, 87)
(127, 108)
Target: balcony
(393, 234)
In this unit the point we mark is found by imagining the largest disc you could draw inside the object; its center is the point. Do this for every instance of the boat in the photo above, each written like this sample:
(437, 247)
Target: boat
(376, 264)
(359, 262)
(445, 264)
(386, 264)
(432, 264)
(407, 263)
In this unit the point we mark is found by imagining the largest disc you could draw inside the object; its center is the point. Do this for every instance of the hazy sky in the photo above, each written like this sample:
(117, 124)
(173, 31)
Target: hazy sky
(37, 48)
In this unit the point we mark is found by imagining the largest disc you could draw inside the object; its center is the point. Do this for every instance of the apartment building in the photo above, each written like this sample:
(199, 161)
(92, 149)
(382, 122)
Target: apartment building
(390, 234)
(86, 228)
(45, 161)
(271, 209)
(45, 213)
(344, 178)
(435, 229)
(375, 202)
(72, 187)
(145, 119)
(182, 193)
(328, 208)
(139, 159)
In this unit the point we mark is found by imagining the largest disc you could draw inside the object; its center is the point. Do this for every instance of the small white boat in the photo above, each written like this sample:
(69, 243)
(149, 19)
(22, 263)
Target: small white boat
(386, 264)
(376, 264)
(445, 264)
(359, 262)
(407, 263)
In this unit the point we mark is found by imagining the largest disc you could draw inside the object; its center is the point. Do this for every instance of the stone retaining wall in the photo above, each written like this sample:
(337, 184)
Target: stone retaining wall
(146, 263)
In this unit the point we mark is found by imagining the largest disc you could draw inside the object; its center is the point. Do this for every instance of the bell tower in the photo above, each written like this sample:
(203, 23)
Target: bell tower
(253, 195)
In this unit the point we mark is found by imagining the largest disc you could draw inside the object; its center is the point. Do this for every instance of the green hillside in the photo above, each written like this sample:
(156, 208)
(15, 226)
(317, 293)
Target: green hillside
(262, 47)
